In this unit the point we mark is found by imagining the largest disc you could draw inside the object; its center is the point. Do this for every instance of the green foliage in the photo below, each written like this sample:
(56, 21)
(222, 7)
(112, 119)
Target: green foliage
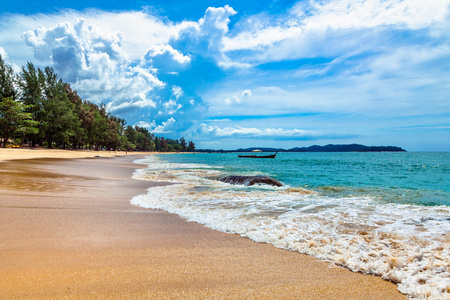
(7, 79)
(31, 84)
(48, 112)
(14, 121)
(59, 118)
(191, 147)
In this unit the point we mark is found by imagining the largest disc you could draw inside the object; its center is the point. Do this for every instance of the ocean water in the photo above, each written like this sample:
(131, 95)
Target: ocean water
(386, 214)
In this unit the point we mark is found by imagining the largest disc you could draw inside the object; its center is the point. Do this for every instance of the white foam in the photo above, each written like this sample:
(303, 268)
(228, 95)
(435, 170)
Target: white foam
(407, 244)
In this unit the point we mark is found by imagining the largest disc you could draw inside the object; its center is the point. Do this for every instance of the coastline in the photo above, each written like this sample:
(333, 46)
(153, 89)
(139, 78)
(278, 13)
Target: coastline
(69, 231)
(32, 153)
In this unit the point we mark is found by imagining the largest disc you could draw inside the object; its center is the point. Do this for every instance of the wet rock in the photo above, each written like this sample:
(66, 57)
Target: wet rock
(250, 180)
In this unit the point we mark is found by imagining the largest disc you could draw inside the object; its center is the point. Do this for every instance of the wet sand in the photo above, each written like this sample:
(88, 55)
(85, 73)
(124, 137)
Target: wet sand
(67, 230)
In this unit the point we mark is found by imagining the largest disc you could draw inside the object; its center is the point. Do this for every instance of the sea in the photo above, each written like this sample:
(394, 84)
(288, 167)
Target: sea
(380, 213)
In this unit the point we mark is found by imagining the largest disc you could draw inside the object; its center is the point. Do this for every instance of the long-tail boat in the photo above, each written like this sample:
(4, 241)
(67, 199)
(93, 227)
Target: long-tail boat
(258, 156)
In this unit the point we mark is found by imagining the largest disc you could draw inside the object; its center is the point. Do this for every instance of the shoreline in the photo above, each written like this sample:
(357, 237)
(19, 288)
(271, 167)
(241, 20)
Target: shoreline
(34, 153)
(69, 231)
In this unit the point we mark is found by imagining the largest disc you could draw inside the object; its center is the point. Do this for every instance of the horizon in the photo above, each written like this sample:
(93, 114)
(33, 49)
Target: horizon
(271, 149)
(233, 74)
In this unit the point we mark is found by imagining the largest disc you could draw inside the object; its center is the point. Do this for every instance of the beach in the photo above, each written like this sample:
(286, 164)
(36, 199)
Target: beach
(68, 230)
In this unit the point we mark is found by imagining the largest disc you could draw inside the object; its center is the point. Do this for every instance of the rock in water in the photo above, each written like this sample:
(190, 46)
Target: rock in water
(250, 180)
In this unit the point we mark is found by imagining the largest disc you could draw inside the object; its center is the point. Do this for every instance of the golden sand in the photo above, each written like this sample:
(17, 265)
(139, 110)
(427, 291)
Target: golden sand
(30, 153)
(68, 232)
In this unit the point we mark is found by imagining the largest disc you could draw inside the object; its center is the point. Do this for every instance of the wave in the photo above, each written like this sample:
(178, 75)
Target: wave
(403, 243)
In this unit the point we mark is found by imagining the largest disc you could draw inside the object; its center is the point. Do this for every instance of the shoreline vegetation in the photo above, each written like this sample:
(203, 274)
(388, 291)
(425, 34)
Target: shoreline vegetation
(69, 231)
(39, 109)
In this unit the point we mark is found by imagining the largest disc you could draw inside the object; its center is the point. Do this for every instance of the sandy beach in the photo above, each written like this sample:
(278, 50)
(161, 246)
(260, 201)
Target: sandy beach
(29, 153)
(68, 230)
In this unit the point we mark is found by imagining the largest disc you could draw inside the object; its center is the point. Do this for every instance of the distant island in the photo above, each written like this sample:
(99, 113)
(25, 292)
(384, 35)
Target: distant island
(316, 148)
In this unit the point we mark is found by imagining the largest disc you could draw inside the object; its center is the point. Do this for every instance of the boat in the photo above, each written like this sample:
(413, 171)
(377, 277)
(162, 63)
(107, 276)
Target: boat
(258, 156)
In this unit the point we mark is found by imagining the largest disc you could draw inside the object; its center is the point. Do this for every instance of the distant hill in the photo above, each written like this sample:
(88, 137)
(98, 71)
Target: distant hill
(316, 148)
(348, 148)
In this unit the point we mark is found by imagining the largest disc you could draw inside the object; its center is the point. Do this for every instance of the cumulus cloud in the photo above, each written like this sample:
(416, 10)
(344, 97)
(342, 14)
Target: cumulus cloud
(92, 60)
(205, 37)
(141, 101)
(78, 51)
(140, 30)
(165, 58)
(96, 61)
(165, 127)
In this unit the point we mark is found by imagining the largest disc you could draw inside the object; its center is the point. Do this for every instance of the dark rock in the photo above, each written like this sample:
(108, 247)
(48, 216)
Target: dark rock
(250, 180)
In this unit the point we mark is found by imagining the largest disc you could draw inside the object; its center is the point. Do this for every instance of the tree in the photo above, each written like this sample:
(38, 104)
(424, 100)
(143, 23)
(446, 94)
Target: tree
(183, 144)
(115, 134)
(32, 84)
(14, 120)
(191, 147)
(79, 137)
(49, 110)
(130, 133)
(99, 130)
(59, 117)
(164, 144)
(7, 89)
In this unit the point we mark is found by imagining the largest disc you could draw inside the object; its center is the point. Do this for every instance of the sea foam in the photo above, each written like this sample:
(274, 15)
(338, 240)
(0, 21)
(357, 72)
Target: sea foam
(406, 244)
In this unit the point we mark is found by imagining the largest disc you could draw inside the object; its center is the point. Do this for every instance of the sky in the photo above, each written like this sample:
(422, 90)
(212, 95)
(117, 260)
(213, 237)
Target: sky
(232, 74)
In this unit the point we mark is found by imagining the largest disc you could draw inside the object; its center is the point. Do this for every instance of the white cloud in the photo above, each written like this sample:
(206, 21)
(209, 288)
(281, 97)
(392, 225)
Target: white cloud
(145, 124)
(171, 106)
(165, 127)
(92, 60)
(118, 58)
(215, 131)
(167, 49)
(164, 57)
(139, 30)
(344, 27)
(246, 93)
(141, 101)
(205, 37)
(353, 14)
(238, 97)
(404, 82)
(177, 91)
(220, 120)
(78, 51)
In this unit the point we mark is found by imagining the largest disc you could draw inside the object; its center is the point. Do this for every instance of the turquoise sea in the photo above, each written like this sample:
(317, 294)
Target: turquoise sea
(386, 214)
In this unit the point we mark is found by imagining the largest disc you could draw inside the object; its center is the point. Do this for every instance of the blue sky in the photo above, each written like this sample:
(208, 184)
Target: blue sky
(230, 74)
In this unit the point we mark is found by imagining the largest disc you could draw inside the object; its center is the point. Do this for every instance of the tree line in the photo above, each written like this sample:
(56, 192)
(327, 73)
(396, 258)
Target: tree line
(39, 109)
